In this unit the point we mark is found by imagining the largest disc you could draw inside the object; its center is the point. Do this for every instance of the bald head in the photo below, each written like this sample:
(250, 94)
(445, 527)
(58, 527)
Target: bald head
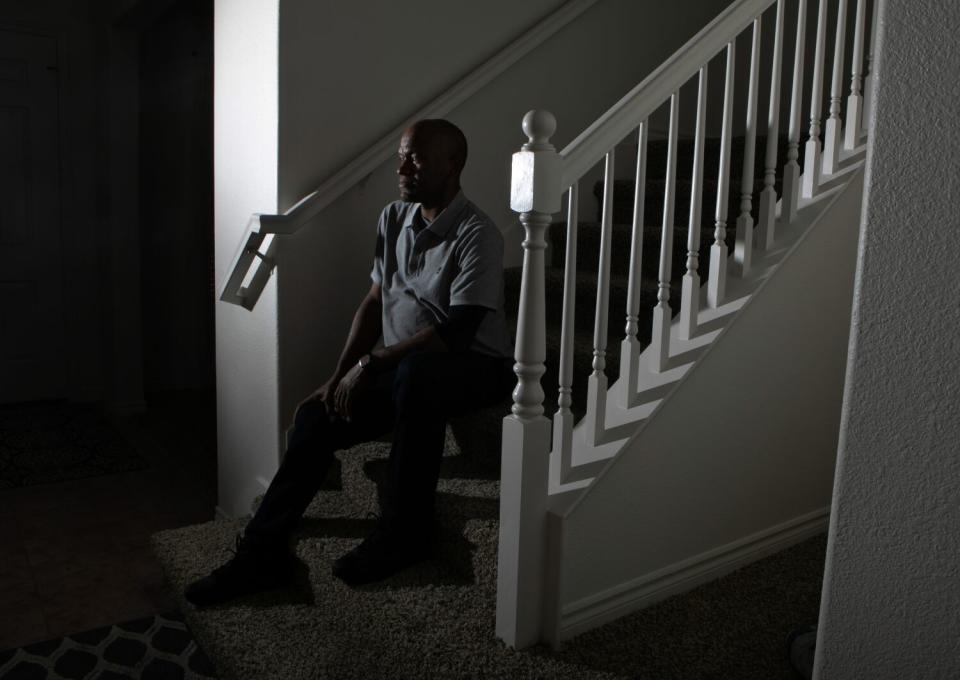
(432, 154)
(448, 139)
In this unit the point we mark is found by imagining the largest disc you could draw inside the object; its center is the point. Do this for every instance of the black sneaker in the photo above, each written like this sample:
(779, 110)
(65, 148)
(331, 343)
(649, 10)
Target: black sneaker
(383, 553)
(248, 571)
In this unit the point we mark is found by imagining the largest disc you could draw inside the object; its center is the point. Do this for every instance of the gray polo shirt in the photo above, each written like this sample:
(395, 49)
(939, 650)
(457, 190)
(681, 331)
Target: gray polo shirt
(424, 268)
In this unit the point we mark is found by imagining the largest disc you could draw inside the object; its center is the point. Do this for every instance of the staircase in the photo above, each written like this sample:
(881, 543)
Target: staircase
(588, 255)
(689, 452)
(697, 440)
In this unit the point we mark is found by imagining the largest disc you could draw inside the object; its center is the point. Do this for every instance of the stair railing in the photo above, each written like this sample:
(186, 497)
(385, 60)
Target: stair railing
(813, 156)
(851, 136)
(541, 176)
(253, 261)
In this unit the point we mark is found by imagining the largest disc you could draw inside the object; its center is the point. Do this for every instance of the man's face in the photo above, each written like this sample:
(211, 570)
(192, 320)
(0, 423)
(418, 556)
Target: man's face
(423, 168)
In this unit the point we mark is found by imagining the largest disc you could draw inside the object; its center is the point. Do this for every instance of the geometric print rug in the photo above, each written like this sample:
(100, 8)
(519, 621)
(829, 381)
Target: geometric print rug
(44, 442)
(158, 647)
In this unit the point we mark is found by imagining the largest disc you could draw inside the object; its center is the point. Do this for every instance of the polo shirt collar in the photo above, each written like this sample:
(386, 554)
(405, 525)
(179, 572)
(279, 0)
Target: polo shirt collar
(446, 219)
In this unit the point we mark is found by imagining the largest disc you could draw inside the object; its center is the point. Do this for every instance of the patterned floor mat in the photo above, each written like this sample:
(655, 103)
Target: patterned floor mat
(158, 647)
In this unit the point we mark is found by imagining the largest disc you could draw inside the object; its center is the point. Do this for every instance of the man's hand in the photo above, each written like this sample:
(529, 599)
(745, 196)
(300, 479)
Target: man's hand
(324, 394)
(353, 383)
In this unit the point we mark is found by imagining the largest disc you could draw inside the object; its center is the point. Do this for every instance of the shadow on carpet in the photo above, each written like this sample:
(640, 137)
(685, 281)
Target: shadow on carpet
(45, 442)
(436, 620)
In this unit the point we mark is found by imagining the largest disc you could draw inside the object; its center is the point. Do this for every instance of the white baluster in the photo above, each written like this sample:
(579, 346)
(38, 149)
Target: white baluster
(535, 193)
(662, 314)
(630, 347)
(791, 171)
(868, 76)
(743, 249)
(812, 157)
(854, 121)
(563, 419)
(717, 284)
(597, 382)
(690, 295)
(833, 134)
(766, 231)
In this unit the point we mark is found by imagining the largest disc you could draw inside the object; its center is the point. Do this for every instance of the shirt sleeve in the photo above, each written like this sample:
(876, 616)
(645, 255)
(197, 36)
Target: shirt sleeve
(461, 326)
(479, 280)
(376, 274)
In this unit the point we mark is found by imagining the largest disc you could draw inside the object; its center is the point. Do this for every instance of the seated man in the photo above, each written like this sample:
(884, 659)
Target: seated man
(437, 303)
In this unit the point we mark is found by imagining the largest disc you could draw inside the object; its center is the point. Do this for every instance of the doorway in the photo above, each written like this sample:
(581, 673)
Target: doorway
(176, 199)
(32, 363)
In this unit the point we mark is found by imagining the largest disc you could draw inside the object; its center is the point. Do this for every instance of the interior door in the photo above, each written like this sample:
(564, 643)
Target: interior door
(31, 280)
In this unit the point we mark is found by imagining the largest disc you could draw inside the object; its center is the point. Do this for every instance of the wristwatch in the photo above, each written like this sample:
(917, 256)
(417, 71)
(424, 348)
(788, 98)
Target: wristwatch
(366, 361)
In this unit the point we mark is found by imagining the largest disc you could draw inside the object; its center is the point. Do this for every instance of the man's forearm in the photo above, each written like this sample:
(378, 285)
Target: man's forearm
(455, 334)
(364, 333)
(424, 340)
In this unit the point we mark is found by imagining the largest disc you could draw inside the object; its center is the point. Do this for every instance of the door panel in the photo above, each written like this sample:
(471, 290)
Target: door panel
(31, 309)
(14, 169)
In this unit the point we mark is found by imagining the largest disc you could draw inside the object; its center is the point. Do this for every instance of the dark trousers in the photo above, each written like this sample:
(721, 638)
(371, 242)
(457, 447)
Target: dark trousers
(415, 400)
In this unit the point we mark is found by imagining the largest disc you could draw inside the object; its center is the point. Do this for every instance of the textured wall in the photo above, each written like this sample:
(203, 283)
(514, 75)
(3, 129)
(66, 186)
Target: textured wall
(891, 602)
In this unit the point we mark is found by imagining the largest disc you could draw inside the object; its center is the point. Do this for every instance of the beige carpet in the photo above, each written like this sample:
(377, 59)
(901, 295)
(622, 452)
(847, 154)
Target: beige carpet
(436, 620)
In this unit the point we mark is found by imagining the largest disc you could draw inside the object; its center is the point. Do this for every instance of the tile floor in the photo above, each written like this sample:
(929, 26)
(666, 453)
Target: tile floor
(76, 555)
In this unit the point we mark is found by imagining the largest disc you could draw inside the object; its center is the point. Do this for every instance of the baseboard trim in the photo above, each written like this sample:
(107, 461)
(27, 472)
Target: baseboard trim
(610, 604)
(221, 513)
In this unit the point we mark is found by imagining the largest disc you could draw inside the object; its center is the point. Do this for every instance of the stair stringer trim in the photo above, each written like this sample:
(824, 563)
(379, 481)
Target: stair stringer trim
(588, 460)
(676, 508)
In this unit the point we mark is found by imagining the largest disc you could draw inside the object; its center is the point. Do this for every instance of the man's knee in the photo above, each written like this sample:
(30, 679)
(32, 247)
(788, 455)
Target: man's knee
(310, 413)
(310, 423)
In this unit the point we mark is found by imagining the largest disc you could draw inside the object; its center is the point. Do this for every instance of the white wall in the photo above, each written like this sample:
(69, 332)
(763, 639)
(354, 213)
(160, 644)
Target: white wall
(891, 598)
(738, 461)
(353, 73)
(337, 99)
(245, 182)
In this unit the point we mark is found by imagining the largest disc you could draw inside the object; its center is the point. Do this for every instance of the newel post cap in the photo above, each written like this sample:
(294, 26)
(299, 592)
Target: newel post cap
(539, 126)
(535, 177)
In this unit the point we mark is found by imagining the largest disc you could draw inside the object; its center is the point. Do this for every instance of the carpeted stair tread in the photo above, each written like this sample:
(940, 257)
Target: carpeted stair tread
(585, 302)
(586, 297)
(653, 203)
(588, 249)
(657, 156)
(655, 186)
(583, 332)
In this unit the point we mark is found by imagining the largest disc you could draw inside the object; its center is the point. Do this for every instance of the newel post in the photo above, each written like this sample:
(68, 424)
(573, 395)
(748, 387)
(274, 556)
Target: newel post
(535, 194)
